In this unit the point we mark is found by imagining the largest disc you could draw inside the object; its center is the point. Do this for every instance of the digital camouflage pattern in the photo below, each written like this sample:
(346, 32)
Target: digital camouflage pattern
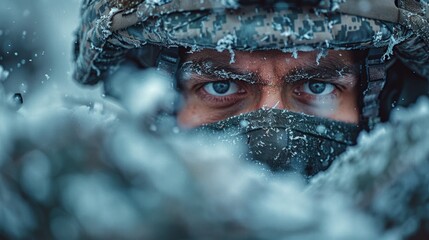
(108, 33)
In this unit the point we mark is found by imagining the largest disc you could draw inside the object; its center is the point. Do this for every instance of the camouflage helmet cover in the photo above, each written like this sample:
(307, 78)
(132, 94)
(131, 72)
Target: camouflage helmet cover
(112, 28)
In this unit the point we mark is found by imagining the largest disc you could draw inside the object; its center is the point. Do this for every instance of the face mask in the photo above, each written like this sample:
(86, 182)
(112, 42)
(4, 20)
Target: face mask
(286, 141)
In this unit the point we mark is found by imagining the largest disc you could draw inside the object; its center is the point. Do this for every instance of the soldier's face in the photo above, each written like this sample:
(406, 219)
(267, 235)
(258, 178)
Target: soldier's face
(215, 89)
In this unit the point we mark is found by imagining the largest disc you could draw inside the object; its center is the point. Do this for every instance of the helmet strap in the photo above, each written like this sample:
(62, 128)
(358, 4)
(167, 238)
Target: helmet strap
(168, 62)
(374, 77)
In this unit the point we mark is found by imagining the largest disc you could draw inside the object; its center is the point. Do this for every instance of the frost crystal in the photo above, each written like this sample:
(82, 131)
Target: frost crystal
(230, 3)
(227, 43)
(295, 53)
(152, 3)
(104, 24)
(378, 36)
(288, 32)
(189, 68)
(392, 43)
(335, 5)
(322, 53)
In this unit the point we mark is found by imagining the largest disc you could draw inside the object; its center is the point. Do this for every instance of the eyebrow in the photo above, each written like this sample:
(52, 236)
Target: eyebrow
(327, 69)
(218, 68)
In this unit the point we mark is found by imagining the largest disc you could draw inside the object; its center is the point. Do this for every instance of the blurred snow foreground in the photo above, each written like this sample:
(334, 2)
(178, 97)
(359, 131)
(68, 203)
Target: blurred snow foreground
(77, 170)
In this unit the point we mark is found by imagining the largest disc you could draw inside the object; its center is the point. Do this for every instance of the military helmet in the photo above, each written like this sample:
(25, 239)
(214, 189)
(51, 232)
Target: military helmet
(150, 31)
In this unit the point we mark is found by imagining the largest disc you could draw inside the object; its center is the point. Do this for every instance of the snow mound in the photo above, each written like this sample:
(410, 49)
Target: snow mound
(73, 171)
(386, 173)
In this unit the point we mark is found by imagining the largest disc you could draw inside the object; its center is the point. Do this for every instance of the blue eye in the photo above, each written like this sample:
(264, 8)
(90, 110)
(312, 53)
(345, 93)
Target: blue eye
(318, 88)
(221, 88)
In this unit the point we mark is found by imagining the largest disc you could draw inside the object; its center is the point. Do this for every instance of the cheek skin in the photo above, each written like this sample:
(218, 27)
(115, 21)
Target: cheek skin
(342, 106)
(192, 115)
(195, 113)
(188, 118)
(348, 108)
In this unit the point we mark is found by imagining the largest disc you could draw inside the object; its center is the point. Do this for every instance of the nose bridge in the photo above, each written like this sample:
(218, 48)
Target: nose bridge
(271, 91)
(271, 97)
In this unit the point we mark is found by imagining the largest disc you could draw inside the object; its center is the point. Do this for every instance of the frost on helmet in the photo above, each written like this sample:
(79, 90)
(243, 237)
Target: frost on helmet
(207, 25)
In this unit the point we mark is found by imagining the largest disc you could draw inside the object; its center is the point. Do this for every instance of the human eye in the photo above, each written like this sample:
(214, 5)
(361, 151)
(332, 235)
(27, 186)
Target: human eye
(221, 88)
(318, 88)
(222, 93)
(318, 97)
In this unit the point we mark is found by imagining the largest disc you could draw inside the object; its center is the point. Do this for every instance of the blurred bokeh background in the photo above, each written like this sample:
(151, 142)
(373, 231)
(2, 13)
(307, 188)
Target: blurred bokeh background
(65, 175)
(36, 46)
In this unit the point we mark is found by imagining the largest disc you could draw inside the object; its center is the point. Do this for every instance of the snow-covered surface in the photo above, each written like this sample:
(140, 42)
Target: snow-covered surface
(74, 165)
(72, 170)
(79, 171)
(386, 173)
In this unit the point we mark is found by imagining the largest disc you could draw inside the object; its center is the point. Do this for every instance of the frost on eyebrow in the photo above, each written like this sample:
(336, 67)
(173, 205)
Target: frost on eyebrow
(207, 68)
(328, 70)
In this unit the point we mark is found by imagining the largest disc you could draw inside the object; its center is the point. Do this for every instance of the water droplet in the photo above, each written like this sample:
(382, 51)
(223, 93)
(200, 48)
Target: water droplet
(244, 123)
(321, 129)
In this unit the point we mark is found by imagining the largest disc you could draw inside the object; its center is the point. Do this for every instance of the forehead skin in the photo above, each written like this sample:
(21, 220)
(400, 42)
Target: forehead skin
(282, 63)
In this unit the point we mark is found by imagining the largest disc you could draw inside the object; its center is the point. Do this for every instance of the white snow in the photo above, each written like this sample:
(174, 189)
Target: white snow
(227, 43)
